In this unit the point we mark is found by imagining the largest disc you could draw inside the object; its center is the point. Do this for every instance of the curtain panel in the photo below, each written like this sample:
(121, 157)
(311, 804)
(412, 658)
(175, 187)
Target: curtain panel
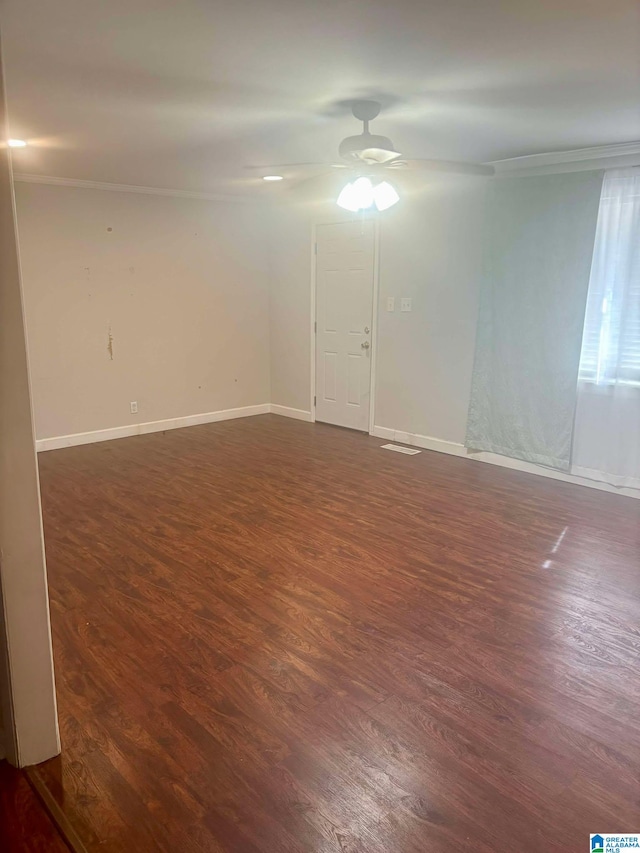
(606, 441)
(539, 240)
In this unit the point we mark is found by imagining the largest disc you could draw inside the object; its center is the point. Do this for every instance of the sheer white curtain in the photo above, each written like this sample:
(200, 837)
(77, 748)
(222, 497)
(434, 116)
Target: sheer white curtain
(606, 441)
(537, 258)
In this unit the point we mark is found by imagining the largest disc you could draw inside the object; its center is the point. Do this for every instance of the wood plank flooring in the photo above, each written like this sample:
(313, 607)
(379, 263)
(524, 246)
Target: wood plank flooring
(275, 636)
(25, 826)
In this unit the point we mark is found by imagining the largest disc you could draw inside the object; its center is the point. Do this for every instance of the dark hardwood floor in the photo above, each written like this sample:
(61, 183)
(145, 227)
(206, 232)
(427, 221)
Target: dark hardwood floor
(25, 826)
(275, 636)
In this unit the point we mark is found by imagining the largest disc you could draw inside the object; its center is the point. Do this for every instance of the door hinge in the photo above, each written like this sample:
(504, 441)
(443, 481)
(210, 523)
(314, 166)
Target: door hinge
(314, 399)
(315, 326)
(315, 248)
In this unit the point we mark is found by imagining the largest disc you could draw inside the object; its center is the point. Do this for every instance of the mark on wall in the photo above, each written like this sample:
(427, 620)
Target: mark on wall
(110, 343)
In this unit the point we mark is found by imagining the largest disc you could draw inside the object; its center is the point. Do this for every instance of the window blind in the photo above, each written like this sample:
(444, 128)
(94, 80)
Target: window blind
(611, 338)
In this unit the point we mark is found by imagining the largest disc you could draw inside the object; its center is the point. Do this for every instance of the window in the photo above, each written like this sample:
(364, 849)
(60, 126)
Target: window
(611, 340)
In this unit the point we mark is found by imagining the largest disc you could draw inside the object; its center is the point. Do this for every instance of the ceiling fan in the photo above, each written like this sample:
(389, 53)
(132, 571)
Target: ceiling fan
(371, 157)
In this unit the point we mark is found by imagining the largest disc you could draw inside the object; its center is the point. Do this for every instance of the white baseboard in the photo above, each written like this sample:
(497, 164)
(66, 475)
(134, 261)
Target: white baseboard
(413, 439)
(287, 412)
(417, 440)
(455, 449)
(152, 426)
(619, 483)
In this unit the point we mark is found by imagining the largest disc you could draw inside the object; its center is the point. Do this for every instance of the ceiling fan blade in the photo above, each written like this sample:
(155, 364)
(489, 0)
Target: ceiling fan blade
(306, 181)
(452, 166)
(290, 168)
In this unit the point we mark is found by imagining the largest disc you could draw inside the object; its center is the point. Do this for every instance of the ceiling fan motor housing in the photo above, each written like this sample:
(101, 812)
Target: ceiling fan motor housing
(353, 147)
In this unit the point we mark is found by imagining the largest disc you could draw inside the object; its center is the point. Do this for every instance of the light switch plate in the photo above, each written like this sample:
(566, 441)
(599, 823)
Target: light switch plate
(391, 303)
(405, 304)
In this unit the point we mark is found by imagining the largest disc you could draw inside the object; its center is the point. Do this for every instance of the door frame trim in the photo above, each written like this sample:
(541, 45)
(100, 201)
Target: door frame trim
(374, 315)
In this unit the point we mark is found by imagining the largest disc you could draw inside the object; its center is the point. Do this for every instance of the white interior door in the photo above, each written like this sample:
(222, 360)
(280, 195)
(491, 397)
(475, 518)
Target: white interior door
(344, 316)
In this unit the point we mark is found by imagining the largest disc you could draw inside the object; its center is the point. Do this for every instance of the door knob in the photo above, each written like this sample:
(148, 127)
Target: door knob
(366, 330)
(365, 345)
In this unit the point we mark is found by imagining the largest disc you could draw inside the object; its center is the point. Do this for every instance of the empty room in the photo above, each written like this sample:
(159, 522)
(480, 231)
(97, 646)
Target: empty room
(320, 426)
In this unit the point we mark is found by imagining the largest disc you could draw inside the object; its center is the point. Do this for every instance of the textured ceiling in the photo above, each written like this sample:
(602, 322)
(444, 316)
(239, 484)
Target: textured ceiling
(184, 93)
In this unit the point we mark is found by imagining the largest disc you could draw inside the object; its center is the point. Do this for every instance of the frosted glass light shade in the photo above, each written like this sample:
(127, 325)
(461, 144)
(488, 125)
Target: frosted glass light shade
(361, 195)
(357, 195)
(385, 195)
(363, 189)
(347, 199)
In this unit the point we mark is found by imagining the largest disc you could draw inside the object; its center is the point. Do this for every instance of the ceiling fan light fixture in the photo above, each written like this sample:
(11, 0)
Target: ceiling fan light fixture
(362, 195)
(357, 195)
(348, 200)
(385, 195)
(363, 189)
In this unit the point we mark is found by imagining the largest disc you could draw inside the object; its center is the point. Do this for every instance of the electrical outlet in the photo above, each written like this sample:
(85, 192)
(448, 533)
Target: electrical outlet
(391, 303)
(134, 407)
(405, 304)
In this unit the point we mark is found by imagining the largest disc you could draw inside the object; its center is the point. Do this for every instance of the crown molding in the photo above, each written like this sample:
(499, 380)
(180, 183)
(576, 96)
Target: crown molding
(25, 178)
(627, 150)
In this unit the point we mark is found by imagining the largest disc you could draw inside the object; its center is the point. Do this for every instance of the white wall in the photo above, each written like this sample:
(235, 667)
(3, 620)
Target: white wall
(290, 307)
(27, 692)
(180, 285)
(183, 285)
(607, 434)
(430, 249)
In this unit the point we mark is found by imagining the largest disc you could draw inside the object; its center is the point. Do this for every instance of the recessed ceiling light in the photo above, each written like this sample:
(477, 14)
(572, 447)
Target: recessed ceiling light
(16, 143)
(272, 178)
